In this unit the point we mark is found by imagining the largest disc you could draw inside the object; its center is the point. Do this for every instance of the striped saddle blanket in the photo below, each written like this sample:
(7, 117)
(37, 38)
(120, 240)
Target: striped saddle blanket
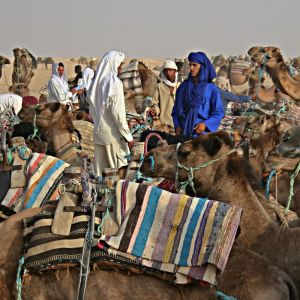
(191, 237)
(131, 78)
(238, 66)
(47, 251)
(43, 174)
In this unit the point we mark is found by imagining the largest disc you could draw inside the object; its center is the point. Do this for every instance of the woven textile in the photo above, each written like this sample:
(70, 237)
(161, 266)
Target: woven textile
(172, 232)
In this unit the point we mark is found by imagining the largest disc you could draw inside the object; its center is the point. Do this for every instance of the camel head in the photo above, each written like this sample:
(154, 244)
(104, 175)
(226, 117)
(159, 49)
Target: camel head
(219, 61)
(4, 60)
(265, 55)
(20, 89)
(259, 125)
(192, 153)
(17, 52)
(53, 114)
(290, 143)
(276, 161)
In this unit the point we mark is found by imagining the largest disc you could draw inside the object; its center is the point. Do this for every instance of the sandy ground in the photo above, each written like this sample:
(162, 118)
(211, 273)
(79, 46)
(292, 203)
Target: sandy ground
(42, 75)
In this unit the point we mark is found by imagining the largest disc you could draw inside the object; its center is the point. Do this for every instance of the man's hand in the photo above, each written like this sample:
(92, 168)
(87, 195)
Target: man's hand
(178, 131)
(199, 128)
(130, 144)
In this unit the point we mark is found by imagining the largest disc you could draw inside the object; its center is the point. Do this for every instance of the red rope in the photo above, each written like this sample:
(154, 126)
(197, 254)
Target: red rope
(147, 139)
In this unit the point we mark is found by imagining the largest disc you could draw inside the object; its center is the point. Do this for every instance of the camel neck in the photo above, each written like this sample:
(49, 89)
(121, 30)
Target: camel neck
(235, 189)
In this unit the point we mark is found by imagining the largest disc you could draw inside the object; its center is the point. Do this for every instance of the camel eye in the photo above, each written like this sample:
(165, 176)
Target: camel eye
(286, 138)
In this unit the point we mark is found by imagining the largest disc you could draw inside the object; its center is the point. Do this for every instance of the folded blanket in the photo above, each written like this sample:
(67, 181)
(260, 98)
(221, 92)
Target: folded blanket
(172, 232)
(43, 174)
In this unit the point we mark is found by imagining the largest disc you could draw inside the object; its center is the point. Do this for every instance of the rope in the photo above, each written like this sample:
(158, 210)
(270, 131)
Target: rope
(223, 296)
(139, 175)
(190, 180)
(267, 194)
(147, 140)
(19, 278)
(35, 130)
(291, 194)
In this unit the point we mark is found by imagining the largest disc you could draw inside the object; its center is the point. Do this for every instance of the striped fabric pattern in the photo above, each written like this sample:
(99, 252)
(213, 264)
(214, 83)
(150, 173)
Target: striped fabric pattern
(43, 174)
(175, 233)
(131, 78)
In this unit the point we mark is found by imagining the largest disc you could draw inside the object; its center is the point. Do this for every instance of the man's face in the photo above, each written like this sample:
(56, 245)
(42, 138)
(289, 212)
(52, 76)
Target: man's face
(170, 74)
(194, 69)
(60, 71)
(120, 68)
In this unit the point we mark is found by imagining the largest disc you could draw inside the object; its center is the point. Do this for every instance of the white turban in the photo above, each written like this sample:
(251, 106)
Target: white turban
(169, 64)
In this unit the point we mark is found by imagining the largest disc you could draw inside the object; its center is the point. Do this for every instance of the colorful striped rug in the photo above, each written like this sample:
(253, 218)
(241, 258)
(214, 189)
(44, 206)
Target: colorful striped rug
(43, 174)
(174, 233)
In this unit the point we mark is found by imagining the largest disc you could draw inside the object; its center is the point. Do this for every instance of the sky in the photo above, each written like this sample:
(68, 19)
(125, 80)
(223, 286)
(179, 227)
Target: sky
(152, 28)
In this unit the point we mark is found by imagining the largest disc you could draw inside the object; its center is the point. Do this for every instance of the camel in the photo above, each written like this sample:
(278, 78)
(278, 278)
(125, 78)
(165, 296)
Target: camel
(229, 179)
(3, 61)
(275, 65)
(24, 64)
(257, 280)
(46, 61)
(290, 143)
(56, 124)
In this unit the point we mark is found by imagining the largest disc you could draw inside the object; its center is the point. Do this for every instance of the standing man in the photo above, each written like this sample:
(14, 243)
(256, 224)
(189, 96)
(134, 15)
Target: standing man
(58, 88)
(164, 96)
(107, 108)
(198, 107)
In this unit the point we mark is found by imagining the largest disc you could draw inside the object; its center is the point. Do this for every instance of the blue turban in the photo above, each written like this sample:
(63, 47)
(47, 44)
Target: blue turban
(207, 71)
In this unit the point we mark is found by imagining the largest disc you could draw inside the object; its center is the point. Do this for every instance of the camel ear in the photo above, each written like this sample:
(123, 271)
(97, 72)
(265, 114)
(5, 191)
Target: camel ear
(185, 149)
(212, 145)
(262, 119)
(54, 107)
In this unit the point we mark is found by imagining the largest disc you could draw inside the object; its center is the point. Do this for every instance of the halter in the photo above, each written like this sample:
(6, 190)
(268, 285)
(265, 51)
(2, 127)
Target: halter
(190, 181)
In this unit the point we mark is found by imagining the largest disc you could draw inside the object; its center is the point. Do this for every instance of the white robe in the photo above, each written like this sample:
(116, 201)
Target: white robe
(87, 77)
(107, 108)
(58, 88)
(56, 93)
(9, 101)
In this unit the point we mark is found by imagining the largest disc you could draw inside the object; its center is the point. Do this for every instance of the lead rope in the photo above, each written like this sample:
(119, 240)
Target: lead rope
(182, 185)
(291, 194)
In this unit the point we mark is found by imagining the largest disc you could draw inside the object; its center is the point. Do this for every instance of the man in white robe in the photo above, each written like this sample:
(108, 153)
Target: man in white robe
(10, 101)
(107, 108)
(58, 88)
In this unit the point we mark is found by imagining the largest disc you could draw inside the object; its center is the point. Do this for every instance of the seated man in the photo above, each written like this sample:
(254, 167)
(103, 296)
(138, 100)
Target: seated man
(58, 88)
(164, 96)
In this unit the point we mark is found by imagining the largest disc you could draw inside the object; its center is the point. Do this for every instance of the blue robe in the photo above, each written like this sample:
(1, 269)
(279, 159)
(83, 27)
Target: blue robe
(210, 111)
(198, 102)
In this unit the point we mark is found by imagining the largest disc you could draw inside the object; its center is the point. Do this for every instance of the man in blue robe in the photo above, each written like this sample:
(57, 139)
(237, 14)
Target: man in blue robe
(198, 107)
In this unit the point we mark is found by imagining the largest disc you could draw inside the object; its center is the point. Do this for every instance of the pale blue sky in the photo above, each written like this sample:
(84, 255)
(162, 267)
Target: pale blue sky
(152, 28)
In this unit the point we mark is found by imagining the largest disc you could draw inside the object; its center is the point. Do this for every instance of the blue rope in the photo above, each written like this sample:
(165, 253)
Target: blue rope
(223, 296)
(138, 175)
(272, 173)
(19, 278)
(152, 162)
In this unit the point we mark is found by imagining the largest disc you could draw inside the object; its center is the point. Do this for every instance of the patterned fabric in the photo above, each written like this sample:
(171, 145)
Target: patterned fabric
(172, 232)
(43, 174)
(238, 66)
(47, 251)
(130, 77)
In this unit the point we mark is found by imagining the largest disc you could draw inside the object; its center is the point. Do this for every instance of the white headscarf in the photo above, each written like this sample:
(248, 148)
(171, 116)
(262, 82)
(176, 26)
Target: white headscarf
(87, 76)
(62, 81)
(105, 85)
(169, 64)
